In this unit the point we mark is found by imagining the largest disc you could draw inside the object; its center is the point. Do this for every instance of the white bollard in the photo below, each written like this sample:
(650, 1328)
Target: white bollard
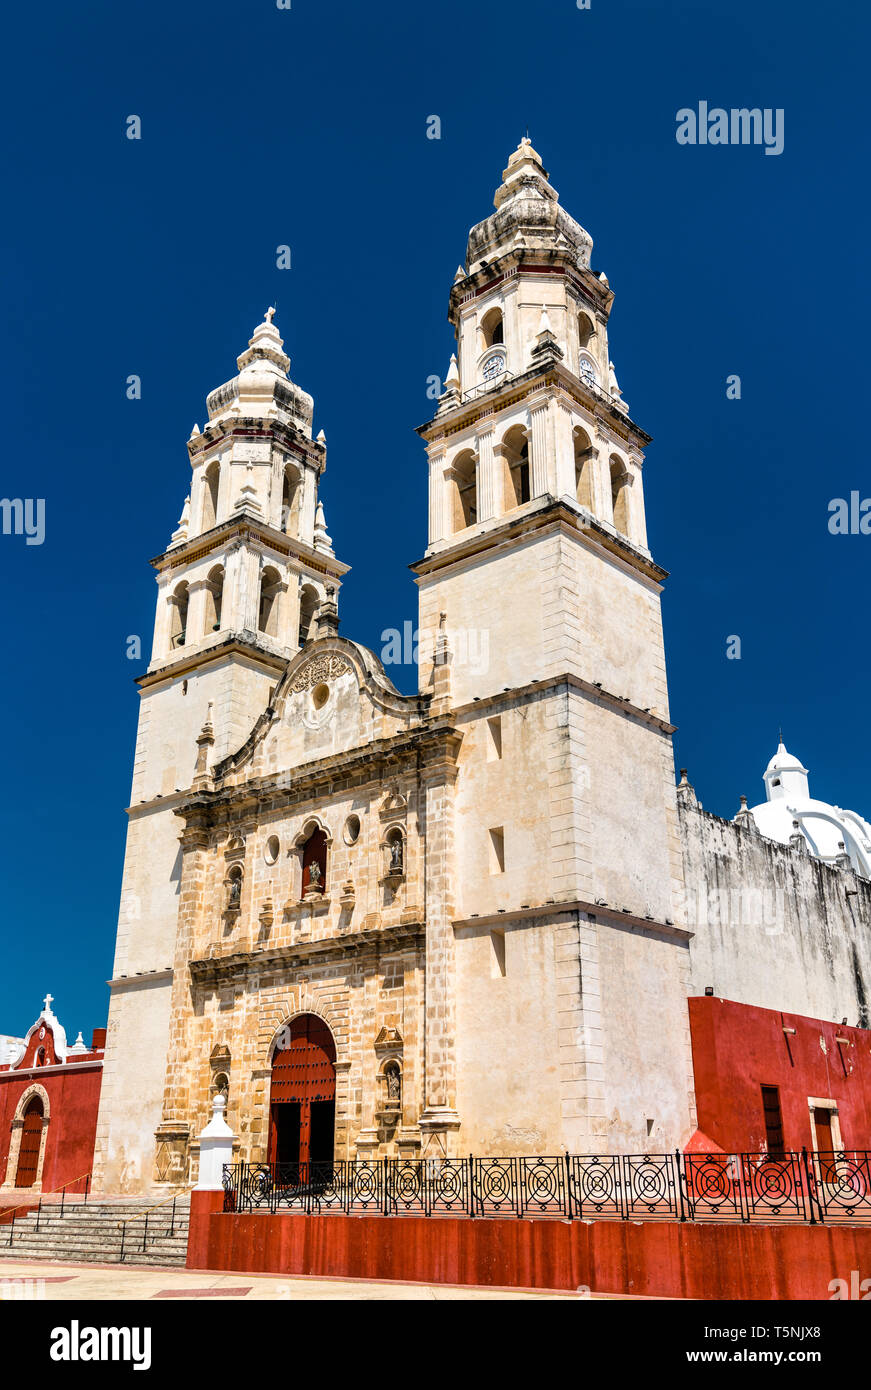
(216, 1148)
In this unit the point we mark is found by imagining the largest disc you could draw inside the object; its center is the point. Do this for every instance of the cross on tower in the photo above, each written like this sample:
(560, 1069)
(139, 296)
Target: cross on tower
(47, 1002)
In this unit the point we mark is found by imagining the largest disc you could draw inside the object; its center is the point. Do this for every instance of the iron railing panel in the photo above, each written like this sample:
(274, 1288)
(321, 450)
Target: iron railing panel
(749, 1188)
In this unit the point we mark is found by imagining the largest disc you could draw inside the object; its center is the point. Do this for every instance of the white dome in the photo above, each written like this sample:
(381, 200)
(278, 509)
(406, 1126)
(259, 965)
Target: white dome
(828, 831)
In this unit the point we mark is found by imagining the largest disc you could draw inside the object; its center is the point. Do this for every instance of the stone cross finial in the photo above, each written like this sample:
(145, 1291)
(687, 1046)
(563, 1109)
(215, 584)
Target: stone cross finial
(47, 1002)
(270, 314)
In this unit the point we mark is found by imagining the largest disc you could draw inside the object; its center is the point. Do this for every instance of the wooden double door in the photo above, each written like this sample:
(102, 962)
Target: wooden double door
(302, 1097)
(31, 1141)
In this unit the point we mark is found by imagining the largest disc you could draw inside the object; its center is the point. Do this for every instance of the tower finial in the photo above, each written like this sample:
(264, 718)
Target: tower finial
(270, 314)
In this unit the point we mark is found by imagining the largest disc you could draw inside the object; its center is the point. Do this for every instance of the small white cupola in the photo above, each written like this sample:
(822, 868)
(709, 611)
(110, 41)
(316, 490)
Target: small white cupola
(785, 776)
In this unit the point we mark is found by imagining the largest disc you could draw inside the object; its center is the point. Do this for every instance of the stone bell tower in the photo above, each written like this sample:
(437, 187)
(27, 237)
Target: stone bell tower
(544, 602)
(238, 589)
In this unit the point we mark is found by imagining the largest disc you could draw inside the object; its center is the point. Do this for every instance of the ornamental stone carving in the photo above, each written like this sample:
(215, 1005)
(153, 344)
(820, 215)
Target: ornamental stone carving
(322, 668)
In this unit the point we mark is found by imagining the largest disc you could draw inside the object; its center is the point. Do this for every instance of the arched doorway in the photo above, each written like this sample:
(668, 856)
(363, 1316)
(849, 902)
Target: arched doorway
(302, 1098)
(31, 1142)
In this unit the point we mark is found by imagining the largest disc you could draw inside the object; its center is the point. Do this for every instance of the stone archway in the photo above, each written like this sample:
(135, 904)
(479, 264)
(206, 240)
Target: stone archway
(24, 1127)
(302, 1097)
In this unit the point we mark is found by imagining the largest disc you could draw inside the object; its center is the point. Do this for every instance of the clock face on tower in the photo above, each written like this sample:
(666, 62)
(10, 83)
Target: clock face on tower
(587, 372)
(493, 366)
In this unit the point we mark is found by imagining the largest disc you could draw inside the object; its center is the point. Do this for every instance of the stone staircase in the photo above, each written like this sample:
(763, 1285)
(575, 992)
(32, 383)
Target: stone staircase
(91, 1231)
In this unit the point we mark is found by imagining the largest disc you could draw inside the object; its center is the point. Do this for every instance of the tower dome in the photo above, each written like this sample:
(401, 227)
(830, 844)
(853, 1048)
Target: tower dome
(790, 814)
(262, 386)
(528, 213)
(785, 775)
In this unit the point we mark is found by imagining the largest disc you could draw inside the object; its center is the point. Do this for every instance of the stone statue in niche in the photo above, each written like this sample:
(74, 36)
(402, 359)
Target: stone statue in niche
(315, 877)
(235, 891)
(396, 855)
(393, 1084)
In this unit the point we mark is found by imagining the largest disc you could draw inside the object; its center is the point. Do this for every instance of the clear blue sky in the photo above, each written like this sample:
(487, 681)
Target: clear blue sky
(308, 127)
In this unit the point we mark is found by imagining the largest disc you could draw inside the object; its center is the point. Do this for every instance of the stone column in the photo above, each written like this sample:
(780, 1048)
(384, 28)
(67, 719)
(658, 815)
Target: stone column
(162, 622)
(604, 508)
(196, 624)
(468, 348)
(487, 494)
(638, 533)
(248, 589)
(309, 505)
(564, 449)
(538, 460)
(438, 488)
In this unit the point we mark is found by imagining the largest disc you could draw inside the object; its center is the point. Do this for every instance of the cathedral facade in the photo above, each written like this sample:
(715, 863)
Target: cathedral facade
(466, 920)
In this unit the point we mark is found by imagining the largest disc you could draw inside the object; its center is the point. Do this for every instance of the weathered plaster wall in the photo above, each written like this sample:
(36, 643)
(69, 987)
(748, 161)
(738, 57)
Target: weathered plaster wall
(774, 927)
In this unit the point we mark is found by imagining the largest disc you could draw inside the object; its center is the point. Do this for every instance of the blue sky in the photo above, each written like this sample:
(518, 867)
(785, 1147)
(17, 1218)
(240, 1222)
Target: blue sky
(262, 127)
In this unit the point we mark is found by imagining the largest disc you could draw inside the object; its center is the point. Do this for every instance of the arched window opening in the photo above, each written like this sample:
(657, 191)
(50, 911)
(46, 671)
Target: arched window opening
(220, 1085)
(211, 483)
(270, 590)
(585, 456)
(492, 329)
(620, 481)
(179, 604)
(516, 455)
(586, 333)
(302, 1102)
(308, 602)
(214, 599)
(314, 862)
(465, 490)
(31, 1144)
(291, 500)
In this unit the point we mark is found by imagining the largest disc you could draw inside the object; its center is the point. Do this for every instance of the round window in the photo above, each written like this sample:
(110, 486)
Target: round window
(352, 830)
(270, 853)
(320, 695)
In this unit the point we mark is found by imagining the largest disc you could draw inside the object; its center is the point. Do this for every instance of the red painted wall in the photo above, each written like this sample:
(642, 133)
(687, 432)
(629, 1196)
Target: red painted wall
(658, 1259)
(74, 1095)
(737, 1049)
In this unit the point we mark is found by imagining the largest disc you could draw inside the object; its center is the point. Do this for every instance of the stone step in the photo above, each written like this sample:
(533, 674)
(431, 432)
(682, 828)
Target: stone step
(107, 1221)
(169, 1253)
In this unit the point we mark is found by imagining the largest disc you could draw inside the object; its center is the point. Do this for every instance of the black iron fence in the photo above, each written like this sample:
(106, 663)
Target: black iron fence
(798, 1187)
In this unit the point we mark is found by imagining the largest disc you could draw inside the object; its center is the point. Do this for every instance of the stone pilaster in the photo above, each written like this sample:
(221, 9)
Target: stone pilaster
(487, 492)
(538, 451)
(437, 498)
(439, 1120)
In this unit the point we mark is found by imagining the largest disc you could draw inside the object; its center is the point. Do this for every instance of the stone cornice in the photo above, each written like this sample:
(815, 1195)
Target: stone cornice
(233, 645)
(292, 440)
(55, 1069)
(146, 977)
(566, 679)
(247, 527)
(595, 912)
(532, 261)
(554, 376)
(211, 970)
(435, 744)
(554, 513)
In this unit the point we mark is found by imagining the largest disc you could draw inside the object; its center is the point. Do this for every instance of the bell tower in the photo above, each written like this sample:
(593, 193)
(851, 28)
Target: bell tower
(532, 430)
(540, 610)
(238, 591)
